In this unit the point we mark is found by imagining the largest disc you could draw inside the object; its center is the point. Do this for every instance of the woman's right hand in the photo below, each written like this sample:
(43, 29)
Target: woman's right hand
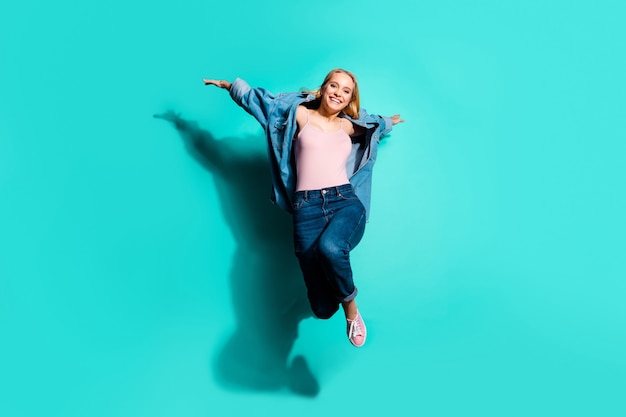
(219, 83)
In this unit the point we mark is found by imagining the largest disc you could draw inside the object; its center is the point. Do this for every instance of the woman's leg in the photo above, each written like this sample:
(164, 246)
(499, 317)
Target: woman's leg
(328, 224)
(343, 232)
(309, 222)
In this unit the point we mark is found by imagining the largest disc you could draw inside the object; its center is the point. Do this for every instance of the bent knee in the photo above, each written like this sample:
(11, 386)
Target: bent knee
(330, 250)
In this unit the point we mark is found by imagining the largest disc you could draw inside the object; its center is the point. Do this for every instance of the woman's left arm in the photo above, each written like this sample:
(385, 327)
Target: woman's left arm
(388, 123)
(385, 124)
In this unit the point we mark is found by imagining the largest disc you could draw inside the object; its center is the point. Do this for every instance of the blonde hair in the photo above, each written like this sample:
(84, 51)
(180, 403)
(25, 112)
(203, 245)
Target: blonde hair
(353, 107)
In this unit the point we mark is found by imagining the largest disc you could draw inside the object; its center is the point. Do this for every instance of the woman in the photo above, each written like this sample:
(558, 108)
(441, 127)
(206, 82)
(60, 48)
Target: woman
(322, 149)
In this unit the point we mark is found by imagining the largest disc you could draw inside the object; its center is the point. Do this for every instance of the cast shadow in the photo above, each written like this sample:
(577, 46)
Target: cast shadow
(268, 293)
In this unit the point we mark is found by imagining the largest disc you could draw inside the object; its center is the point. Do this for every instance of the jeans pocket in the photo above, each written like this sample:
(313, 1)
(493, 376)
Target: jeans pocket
(349, 197)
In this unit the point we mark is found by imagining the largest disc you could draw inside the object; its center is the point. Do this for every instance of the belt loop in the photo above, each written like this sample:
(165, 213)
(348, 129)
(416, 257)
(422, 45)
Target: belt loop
(306, 195)
(338, 191)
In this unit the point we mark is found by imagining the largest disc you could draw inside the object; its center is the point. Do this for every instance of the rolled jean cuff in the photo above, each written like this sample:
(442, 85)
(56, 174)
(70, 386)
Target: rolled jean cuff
(350, 297)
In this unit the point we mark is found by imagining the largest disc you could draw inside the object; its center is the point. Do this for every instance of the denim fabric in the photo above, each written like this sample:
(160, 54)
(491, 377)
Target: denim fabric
(277, 114)
(328, 224)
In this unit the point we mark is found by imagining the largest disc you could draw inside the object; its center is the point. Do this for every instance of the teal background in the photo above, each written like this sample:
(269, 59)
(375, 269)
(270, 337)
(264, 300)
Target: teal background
(492, 270)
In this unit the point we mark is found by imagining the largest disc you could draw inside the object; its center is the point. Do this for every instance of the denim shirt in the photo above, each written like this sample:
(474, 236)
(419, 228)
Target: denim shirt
(277, 115)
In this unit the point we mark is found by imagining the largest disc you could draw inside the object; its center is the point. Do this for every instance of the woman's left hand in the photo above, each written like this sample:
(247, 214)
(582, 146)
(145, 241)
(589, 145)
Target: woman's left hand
(396, 119)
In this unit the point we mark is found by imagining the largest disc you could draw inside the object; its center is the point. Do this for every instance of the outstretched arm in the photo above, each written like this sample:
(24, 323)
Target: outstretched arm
(389, 123)
(218, 83)
(256, 101)
(356, 130)
(395, 119)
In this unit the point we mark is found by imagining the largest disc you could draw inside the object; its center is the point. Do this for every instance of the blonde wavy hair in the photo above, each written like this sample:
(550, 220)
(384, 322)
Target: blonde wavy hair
(354, 106)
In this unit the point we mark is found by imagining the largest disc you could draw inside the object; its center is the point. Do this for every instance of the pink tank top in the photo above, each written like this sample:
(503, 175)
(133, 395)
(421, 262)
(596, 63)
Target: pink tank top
(321, 157)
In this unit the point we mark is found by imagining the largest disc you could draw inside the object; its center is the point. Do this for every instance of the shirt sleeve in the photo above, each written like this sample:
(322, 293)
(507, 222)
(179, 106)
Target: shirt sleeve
(256, 101)
(383, 124)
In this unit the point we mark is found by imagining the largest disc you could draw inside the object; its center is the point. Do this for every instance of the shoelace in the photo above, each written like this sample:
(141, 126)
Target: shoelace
(355, 328)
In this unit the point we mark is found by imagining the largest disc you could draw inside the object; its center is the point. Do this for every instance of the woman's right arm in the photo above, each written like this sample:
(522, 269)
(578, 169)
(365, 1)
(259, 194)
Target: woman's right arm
(256, 101)
(219, 83)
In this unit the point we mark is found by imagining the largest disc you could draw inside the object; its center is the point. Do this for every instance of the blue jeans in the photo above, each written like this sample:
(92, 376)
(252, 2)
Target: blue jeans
(328, 224)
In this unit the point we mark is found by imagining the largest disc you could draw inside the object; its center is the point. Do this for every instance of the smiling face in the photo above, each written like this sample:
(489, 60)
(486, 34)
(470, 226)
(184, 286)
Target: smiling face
(339, 93)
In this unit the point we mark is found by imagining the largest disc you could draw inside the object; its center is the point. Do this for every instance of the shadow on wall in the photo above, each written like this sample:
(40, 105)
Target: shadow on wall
(268, 293)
